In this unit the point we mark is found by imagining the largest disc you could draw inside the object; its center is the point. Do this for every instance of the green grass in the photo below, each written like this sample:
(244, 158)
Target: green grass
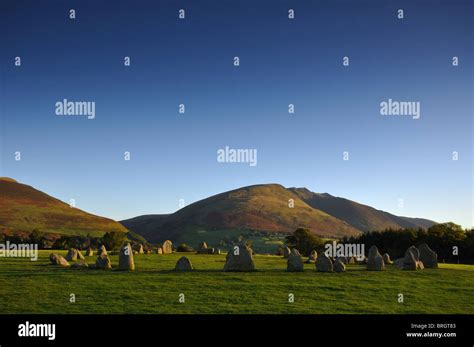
(35, 287)
(261, 243)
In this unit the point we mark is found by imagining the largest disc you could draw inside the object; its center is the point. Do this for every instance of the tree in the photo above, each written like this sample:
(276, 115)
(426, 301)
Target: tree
(304, 241)
(64, 242)
(113, 239)
(37, 237)
(442, 238)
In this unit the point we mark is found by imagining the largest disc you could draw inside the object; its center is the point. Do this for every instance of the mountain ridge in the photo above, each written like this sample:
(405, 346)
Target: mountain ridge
(360, 216)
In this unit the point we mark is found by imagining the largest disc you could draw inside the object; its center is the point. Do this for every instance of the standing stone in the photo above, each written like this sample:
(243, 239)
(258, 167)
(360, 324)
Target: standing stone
(415, 252)
(102, 250)
(312, 257)
(89, 252)
(140, 249)
(342, 259)
(184, 264)
(71, 254)
(126, 261)
(217, 251)
(167, 247)
(103, 262)
(352, 260)
(159, 250)
(339, 265)
(203, 248)
(375, 260)
(324, 263)
(428, 256)
(411, 260)
(386, 259)
(57, 259)
(286, 252)
(79, 255)
(295, 262)
(239, 258)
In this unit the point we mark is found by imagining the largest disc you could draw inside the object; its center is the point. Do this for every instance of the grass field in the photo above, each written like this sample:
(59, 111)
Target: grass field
(36, 287)
(261, 243)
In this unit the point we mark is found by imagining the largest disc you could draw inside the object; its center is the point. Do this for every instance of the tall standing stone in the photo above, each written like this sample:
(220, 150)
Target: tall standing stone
(239, 258)
(89, 252)
(375, 260)
(295, 262)
(126, 261)
(140, 249)
(339, 265)
(103, 262)
(159, 250)
(167, 247)
(414, 251)
(102, 250)
(411, 260)
(428, 256)
(324, 263)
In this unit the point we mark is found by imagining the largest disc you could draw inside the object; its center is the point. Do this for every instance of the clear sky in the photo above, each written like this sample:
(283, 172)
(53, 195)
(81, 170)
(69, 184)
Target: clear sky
(282, 61)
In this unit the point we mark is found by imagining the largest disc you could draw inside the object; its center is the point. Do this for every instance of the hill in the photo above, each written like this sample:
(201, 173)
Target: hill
(24, 208)
(260, 207)
(361, 217)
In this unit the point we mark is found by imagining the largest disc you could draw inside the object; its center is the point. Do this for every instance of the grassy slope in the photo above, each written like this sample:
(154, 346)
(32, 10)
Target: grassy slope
(23, 208)
(193, 236)
(34, 287)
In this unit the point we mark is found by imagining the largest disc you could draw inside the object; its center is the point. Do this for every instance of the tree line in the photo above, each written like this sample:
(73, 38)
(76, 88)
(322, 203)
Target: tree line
(450, 241)
(111, 240)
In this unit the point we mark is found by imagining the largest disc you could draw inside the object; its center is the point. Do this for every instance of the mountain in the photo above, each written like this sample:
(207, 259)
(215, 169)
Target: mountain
(23, 209)
(361, 217)
(259, 207)
(254, 209)
(265, 208)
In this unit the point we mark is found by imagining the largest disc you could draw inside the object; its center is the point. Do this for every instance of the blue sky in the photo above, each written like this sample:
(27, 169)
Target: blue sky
(173, 156)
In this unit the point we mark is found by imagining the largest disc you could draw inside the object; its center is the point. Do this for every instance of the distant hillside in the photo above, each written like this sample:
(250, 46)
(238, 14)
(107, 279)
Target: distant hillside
(23, 209)
(259, 207)
(360, 216)
(146, 224)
